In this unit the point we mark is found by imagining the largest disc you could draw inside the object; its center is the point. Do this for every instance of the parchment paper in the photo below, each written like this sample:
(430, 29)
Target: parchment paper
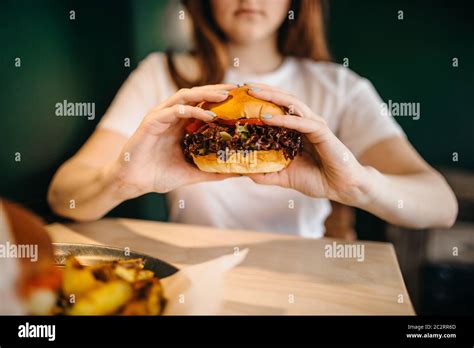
(197, 289)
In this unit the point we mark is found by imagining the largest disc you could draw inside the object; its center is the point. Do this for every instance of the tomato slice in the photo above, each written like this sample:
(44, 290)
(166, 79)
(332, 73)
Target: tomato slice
(255, 121)
(193, 126)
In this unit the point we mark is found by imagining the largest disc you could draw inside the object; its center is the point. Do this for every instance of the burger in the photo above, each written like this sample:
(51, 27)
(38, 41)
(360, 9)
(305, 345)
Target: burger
(238, 141)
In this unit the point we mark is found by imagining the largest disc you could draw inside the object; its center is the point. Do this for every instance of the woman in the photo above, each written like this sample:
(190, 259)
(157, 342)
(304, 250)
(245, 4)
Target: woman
(356, 155)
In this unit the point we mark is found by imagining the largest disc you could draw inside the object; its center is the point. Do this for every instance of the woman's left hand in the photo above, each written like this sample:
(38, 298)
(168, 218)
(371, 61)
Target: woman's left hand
(327, 168)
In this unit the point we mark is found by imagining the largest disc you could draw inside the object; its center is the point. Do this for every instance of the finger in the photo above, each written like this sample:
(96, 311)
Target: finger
(180, 111)
(194, 175)
(316, 131)
(220, 86)
(263, 86)
(265, 179)
(196, 95)
(201, 176)
(158, 121)
(293, 104)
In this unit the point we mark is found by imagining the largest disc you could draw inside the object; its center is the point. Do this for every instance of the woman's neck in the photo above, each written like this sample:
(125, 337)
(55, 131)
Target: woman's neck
(258, 58)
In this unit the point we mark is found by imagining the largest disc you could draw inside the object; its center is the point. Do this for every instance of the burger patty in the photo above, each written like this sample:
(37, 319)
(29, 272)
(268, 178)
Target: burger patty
(213, 137)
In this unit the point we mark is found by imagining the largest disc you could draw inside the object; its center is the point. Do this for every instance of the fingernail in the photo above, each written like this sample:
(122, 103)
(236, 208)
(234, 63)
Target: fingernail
(267, 116)
(255, 89)
(210, 113)
(224, 92)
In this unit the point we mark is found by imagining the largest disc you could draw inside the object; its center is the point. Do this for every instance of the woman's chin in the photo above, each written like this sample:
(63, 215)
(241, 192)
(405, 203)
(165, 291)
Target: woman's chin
(248, 36)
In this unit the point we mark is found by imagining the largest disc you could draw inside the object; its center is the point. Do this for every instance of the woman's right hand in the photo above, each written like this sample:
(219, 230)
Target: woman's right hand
(152, 160)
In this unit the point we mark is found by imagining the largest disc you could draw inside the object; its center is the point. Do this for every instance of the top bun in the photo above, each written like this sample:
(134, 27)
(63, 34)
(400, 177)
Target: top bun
(240, 104)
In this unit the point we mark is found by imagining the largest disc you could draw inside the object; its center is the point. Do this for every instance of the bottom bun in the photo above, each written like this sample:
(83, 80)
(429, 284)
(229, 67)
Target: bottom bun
(238, 163)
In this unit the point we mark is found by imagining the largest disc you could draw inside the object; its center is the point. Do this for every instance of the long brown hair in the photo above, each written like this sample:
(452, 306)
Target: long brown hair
(302, 37)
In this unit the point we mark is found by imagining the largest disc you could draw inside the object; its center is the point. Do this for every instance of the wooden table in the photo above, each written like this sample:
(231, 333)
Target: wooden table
(282, 274)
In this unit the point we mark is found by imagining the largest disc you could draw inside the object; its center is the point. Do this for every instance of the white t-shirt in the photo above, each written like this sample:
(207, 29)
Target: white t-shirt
(349, 104)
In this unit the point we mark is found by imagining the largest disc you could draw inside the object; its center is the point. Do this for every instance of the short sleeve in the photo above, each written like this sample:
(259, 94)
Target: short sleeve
(363, 120)
(138, 94)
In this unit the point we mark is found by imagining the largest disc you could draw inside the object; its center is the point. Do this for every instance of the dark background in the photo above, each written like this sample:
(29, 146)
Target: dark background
(82, 60)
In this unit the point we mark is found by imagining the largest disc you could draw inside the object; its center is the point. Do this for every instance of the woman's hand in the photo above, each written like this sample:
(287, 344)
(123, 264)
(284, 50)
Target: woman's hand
(327, 169)
(152, 160)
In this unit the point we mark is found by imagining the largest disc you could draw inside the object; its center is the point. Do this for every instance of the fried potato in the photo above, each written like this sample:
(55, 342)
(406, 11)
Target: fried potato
(77, 280)
(148, 298)
(144, 275)
(126, 273)
(104, 300)
(121, 287)
(132, 263)
(155, 298)
(136, 307)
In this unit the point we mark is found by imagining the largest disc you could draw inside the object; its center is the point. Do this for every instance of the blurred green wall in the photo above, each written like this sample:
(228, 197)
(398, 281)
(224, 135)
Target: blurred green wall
(82, 61)
(410, 60)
